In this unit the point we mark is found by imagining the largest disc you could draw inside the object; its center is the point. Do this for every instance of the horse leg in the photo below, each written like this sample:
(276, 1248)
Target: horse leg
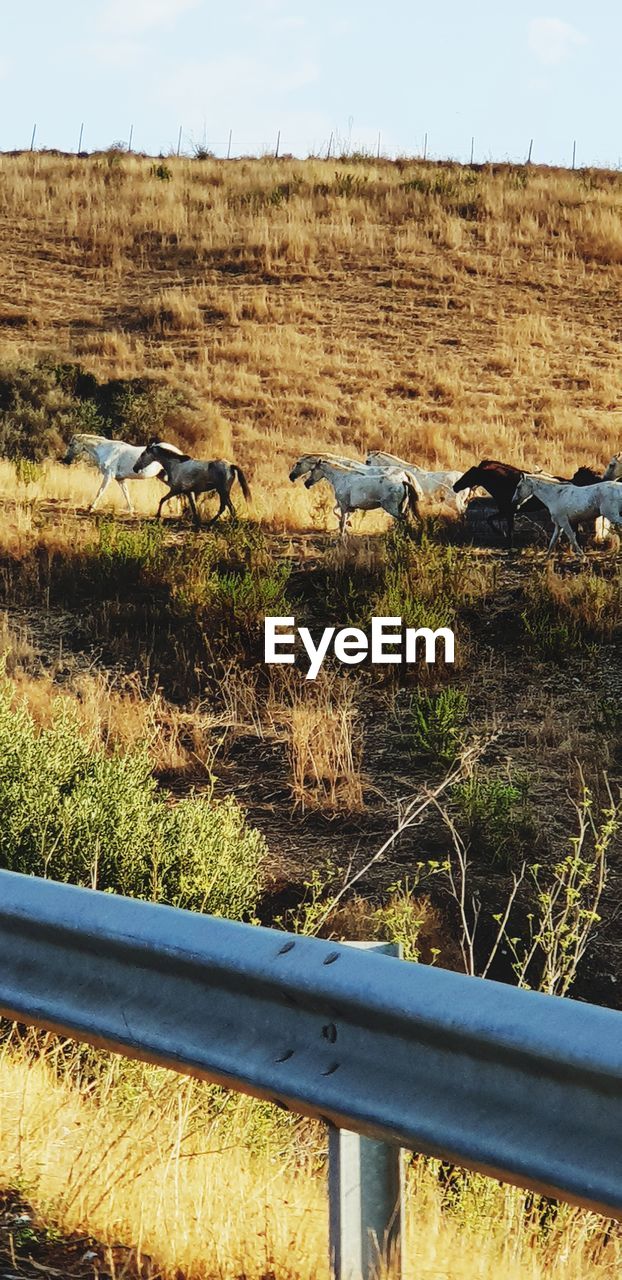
(496, 524)
(124, 490)
(343, 522)
(400, 512)
(230, 506)
(167, 497)
(509, 520)
(194, 509)
(553, 542)
(223, 504)
(101, 491)
(572, 537)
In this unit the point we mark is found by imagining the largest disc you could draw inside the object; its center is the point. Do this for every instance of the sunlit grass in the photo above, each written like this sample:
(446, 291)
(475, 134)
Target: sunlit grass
(205, 1187)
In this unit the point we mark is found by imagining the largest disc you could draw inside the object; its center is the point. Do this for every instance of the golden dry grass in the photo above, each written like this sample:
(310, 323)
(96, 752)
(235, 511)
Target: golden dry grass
(439, 312)
(233, 1195)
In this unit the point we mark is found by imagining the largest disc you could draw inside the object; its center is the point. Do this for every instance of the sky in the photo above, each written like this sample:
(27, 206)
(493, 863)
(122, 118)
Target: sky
(470, 74)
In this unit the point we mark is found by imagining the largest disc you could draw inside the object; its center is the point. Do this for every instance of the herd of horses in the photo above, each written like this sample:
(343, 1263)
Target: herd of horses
(381, 481)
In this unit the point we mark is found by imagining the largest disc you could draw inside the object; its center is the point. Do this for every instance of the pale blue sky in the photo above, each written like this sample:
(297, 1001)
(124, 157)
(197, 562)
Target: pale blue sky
(501, 72)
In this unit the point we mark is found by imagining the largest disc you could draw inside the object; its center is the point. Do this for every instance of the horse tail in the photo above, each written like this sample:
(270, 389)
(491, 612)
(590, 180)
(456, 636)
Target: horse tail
(411, 498)
(244, 485)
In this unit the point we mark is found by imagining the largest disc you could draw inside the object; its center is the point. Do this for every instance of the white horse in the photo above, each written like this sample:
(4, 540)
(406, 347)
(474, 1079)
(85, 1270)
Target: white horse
(439, 483)
(308, 461)
(365, 490)
(571, 503)
(115, 460)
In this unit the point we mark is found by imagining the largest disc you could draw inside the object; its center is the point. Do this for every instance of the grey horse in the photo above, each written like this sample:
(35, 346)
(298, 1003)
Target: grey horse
(188, 477)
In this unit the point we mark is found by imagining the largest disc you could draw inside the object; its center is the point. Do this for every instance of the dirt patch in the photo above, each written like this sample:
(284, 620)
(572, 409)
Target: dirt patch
(33, 1250)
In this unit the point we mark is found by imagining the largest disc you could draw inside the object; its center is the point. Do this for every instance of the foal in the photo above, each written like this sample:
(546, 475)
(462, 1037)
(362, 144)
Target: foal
(188, 477)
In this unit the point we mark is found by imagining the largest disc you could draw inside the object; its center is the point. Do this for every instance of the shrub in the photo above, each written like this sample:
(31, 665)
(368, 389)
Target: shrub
(232, 603)
(139, 410)
(121, 549)
(74, 813)
(497, 815)
(324, 744)
(32, 412)
(428, 583)
(562, 614)
(550, 636)
(42, 405)
(350, 184)
(438, 724)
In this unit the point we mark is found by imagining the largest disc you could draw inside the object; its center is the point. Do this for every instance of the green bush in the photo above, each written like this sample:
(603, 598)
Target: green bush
(428, 583)
(42, 405)
(123, 548)
(73, 813)
(34, 412)
(439, 723)
(563, 615)
(549, 636)
(495, 815)
(232, 603)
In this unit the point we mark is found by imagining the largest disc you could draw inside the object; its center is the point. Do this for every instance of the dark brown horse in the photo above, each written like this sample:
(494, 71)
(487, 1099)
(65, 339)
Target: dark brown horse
(500, 479)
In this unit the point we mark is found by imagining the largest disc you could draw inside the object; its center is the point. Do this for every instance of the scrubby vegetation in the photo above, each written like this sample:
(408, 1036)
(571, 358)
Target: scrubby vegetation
(191, 1169)
(44, 403)
(72, 811)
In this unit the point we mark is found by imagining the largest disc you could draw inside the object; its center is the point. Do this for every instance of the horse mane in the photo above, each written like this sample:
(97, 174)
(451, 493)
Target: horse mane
(169, 450)
(321, 457)
(383, 454)
(585, 476)
(494, 464)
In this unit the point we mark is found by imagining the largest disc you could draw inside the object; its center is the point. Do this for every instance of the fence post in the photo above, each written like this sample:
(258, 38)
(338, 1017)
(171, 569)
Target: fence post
(366, 1194)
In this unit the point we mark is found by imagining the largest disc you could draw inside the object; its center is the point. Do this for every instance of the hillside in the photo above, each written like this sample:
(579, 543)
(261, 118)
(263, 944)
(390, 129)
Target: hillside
(257, 309)
(439, 311)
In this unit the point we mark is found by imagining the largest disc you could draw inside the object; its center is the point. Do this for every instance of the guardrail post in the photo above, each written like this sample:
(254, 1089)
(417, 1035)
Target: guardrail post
(366, 1193)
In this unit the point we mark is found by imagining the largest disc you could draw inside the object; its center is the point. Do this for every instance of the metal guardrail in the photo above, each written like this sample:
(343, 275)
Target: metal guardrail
(522, 1086)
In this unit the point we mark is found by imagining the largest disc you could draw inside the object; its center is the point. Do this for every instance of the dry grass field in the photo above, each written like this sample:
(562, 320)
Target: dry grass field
(437, 311)
(255, 310)
(208, 1190)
